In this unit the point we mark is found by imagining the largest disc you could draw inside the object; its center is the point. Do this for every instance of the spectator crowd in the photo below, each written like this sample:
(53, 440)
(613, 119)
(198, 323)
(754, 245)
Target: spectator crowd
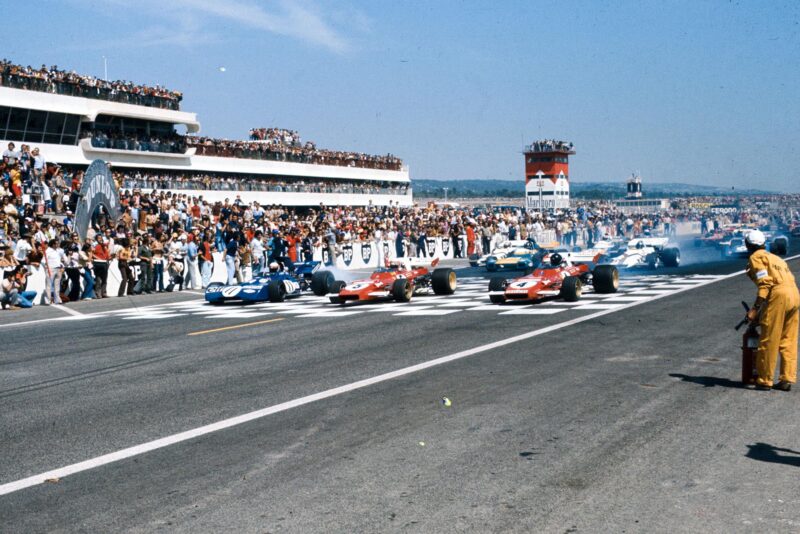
(162, 240)
(220, 182)
(171, 144)
(62, 82)
(551, 145)
(277, 144)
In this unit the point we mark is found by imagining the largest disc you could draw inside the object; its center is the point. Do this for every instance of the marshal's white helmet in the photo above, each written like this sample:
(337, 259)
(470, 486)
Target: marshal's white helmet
(755, 238)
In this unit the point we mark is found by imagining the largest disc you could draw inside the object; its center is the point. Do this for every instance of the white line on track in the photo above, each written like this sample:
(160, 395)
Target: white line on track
(136, 450)
(72, 312)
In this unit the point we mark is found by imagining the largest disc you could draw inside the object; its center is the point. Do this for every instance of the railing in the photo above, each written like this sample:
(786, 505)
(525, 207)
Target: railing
(563, 148)
(167, 146)
(263, 152)
(30, 83)
(258, 186)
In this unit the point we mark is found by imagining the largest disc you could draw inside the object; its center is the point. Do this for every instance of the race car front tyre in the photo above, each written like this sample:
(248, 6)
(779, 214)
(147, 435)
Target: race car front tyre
(402, 290)
(215, 284)
(276, 291)
(671, 257)
(571, 289)
(336, 286)
(653, 261)
(444, 281)
(334, 289)
(779, 247)
(321, 282)
(497, 284)
(605, 279)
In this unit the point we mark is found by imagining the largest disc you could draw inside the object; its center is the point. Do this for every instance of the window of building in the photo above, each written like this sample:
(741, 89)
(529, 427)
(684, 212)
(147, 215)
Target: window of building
(16, 123)
(36, 126)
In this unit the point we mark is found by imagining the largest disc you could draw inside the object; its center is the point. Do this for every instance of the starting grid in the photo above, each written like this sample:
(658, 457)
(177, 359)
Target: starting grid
(470, 296)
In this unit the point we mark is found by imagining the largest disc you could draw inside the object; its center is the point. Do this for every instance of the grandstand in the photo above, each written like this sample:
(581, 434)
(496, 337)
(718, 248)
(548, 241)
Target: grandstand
(74, 119)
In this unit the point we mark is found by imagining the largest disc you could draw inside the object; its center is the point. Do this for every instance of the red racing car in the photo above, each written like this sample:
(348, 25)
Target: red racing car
(555, 278)
(399, 280)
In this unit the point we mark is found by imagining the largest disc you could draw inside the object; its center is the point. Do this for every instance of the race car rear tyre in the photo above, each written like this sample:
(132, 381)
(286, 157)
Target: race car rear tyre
(605, 279)
(571, 289)
(779, 247)
(497, 284)
(321, 282)
(276, 291)
(402, 290)
(444, 281)
(671, 257)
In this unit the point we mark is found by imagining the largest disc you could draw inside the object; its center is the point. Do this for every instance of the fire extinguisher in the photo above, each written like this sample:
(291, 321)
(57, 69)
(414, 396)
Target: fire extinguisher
(750, 340)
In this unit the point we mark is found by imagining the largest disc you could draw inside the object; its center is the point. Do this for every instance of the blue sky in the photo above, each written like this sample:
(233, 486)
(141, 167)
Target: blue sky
(697, 92)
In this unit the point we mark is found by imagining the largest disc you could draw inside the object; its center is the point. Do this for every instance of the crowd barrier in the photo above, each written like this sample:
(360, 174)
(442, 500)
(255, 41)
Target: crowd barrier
(360, 255)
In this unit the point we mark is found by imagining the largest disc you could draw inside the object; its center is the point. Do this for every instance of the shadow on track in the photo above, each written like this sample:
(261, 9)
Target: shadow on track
(709, 381)
(764, 452)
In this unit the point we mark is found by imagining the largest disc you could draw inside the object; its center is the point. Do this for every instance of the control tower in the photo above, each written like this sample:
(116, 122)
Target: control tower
(547, 175)
(634, 187)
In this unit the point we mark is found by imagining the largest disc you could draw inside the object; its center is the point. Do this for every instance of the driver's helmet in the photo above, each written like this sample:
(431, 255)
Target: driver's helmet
(640, 244)
(274, 267)
(556, 259)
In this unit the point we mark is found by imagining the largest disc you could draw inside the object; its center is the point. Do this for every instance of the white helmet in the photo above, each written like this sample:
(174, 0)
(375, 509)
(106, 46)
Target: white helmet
(274, 266)
(755, 238)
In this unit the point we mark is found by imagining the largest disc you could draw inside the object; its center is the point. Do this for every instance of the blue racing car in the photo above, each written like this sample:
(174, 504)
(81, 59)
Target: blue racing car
(274, 286)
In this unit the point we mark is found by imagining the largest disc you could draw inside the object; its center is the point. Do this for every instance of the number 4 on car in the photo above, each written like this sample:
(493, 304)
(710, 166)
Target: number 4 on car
(556, 277)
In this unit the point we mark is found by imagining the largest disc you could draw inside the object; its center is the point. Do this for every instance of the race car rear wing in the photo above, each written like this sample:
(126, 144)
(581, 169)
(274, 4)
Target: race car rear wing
(585, 256)
(306, 268)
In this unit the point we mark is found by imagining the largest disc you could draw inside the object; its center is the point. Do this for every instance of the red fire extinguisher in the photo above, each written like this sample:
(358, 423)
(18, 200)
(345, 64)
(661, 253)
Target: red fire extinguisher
(750, 340)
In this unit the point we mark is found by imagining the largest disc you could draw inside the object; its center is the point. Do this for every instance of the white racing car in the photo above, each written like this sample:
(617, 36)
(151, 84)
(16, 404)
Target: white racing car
(607, 249)
(649, 253)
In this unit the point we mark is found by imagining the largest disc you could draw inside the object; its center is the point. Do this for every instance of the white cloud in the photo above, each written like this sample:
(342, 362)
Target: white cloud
(187, 23)
(294, 19)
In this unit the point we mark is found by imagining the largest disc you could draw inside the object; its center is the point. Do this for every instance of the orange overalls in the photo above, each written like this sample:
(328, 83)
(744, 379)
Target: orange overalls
(778, 318)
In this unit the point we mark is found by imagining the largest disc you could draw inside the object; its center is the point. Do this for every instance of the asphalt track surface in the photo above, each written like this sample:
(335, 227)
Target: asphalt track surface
(626, 419)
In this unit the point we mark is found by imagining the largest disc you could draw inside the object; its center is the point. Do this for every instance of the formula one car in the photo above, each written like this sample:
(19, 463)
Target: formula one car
(518, 259)
(647, 252)
(714, 237)
(274, 286)
(607, 248)
(735, 246)
(777, 243)
(557, 277)
(399, 280)
(504, 249)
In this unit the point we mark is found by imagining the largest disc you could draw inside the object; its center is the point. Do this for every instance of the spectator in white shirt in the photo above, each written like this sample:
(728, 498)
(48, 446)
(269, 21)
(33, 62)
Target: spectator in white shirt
(54, 269)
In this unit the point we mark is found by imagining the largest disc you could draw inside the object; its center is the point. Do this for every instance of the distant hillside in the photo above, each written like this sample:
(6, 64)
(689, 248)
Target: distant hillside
(516, 188)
